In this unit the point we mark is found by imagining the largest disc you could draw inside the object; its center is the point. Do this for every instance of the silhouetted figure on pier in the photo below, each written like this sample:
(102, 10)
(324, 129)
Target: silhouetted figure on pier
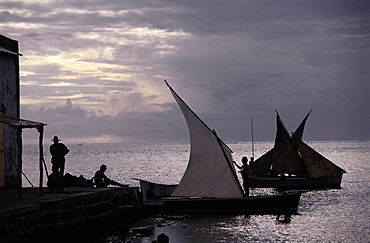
(58, 151)
(101, 180)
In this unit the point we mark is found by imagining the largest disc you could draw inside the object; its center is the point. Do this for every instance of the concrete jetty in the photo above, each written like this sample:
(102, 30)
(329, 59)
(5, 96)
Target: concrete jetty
(61, 217)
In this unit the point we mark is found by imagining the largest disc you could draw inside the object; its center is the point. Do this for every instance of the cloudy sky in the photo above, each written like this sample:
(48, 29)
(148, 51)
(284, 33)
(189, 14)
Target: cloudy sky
(93, 70)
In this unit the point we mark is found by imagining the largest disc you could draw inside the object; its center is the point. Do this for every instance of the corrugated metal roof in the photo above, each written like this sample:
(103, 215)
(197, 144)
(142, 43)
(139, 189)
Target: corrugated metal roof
(3, 49)
(20, 122)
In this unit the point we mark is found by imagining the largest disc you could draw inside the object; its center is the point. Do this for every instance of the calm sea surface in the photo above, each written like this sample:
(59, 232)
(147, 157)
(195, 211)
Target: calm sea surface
(334, 215)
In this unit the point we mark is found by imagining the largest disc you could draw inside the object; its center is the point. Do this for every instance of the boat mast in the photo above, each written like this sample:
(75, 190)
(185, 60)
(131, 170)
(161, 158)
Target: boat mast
(252, 139)
(229, 163)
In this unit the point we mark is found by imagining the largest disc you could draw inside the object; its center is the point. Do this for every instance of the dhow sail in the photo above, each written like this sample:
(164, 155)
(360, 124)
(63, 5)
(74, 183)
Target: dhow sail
(286, 156)
(317, 165)
(298, 133)
(294, 156)
(283, 156)
(209, 172)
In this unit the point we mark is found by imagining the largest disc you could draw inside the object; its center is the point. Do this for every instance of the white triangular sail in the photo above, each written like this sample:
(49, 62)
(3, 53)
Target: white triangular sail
(209, 172)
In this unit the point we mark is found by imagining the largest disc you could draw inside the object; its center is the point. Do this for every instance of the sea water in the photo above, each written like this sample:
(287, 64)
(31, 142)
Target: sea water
(331, 215)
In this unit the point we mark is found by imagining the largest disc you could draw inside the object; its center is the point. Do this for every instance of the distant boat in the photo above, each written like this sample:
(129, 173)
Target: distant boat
(210, 183)
(291, 163)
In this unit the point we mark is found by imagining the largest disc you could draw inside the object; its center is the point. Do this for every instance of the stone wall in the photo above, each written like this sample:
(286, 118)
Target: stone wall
(71, 218)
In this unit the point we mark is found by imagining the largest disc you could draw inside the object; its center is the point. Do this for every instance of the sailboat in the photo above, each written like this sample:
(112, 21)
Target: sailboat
(210, 183)
(291, 163)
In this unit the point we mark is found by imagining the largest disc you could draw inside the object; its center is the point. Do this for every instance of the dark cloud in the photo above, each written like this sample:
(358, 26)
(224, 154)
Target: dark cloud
(31, 35)
(71, 122)
(229, 60)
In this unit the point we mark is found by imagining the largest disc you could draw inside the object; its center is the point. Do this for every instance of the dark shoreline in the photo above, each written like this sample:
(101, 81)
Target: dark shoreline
(78, 214)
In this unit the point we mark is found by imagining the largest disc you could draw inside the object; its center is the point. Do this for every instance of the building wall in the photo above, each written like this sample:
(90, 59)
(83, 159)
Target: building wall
(10, 106)
(2, 162)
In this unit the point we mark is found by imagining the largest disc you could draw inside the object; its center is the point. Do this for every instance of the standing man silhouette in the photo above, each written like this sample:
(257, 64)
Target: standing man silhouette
(246, 175)
(58, 151)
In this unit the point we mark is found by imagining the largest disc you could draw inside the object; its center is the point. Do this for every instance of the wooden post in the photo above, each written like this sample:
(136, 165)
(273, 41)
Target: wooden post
(19, 175)
(41, 149)
(252, 140)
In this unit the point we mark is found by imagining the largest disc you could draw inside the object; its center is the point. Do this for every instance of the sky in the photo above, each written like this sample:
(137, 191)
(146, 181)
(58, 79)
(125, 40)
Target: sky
(94, 71)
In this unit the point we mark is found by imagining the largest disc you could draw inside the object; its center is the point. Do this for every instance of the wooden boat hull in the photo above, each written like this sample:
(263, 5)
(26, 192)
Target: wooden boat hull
(297, 183)
(248, 205)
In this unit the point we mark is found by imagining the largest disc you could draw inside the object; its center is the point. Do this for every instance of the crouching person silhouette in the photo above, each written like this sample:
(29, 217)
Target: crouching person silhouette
(101, 180)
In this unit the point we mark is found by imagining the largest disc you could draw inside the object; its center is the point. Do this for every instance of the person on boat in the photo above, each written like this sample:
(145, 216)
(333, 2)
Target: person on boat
(282, 175)
(245, 172)
(101, 180)
(150, 193)
(58, 152)
(284, 208)
(252, 168)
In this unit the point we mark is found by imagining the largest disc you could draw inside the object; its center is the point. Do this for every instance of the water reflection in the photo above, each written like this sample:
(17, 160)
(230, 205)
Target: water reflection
(335, 215)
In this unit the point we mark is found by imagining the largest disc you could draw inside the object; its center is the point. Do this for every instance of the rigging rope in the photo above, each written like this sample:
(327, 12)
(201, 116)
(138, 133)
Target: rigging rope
(17, 165)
